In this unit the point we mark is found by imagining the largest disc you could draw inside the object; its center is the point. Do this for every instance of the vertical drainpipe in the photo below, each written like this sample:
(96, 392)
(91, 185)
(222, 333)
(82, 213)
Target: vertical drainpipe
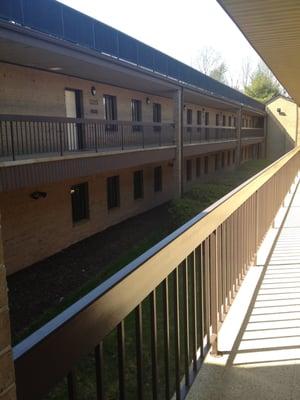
(178, 117)
(264, 144)
(238, 135)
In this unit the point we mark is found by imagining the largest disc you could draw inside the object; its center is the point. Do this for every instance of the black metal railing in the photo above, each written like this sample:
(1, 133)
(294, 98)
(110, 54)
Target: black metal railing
(24, 137)
(144, 332)
(249, 133)
(63, 22)
(201, 133)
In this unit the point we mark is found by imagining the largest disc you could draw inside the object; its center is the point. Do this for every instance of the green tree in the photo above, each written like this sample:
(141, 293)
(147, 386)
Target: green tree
(263, 86)
(219, 73)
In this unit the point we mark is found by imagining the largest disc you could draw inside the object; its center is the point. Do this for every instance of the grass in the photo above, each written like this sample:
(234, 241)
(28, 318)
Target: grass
(180, 210)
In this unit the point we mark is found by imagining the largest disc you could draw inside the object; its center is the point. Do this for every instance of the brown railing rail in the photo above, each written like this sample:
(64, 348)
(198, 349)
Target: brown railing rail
(23, 137)
(249, 133)
(204, 133)
(186, 282)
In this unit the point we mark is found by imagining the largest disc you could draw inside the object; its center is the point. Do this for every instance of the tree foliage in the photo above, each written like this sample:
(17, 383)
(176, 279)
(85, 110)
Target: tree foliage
(211, 63)
(219, 73)
(263, 86)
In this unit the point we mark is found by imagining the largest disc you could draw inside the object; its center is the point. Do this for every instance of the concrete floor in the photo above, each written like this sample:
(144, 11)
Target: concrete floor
(260, 338)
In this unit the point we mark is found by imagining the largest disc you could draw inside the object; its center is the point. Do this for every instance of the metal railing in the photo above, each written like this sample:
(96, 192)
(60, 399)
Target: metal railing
(249, 133)
(30, 136)
(171, 300)
(59, 20)
(201, 133)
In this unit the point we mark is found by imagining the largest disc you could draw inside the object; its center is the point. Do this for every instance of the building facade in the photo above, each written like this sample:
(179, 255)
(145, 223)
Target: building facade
(96, 127)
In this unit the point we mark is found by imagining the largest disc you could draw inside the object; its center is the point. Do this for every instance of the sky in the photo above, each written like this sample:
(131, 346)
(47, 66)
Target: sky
(176, 27)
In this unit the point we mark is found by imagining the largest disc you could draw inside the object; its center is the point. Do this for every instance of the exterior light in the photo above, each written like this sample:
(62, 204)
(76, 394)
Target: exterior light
(148, 100)
(55, 68)
(184, 107)
(279, 110)
(93, 90)
(38, 195)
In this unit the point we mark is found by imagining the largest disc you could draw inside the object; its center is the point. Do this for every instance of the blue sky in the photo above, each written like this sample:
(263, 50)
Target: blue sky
(177, 28)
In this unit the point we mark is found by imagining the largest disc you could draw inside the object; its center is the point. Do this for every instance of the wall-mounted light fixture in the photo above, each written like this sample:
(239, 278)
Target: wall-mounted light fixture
(93, 91)
(148, 100)
(184, 106)
(279, 110)
(38, 195)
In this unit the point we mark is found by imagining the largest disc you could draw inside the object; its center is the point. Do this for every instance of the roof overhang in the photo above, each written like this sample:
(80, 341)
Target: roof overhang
(273, 28)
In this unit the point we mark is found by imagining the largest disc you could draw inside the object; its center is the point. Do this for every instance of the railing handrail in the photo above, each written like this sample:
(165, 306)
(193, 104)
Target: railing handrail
(209, 126)
(41, 118)
(97, 306)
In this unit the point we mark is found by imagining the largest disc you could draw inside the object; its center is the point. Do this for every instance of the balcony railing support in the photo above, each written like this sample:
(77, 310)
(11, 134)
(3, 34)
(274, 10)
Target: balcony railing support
(178, 120)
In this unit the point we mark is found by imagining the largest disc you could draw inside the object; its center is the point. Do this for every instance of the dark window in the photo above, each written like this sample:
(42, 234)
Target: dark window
(224, 120)
(217, 120)
(157, 116)
(199, 117)
(189, 116)
(223, 159)
(113, 192)
(198, 167)
(158, 179)
(80, 201)
(206, 118)
(136, 111)
(229, 121)
(110, 107)
(234, 121)
(188, 170)
(138, 185)
(206, 165)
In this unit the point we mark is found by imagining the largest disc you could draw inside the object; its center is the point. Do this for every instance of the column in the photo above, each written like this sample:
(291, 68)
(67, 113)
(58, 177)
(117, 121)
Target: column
(239, 137)
(178, 118)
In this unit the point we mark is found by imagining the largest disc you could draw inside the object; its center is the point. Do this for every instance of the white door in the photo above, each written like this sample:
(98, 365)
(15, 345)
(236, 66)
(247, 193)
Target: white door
(70, 99)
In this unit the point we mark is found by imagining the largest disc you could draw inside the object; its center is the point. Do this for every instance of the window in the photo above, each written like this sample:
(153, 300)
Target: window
(223, 159)
(113, 192)
(229, 121)
(234, 121)
(224, 120)
(206, 118)
(157, 116)
(80, 201)
(136, 112)
(217, 120)
(198, 167)
(189, 118)
(110, 108)
(158, 179)
(188, 170)
(138, 185)
(199, 117)
(206, 165)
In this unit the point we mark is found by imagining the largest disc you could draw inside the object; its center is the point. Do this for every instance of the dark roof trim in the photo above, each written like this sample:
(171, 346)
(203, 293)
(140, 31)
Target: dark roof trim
(64, 23)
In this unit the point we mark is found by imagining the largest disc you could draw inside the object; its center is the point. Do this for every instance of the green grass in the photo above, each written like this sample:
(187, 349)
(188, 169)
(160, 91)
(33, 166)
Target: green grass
(180, 210)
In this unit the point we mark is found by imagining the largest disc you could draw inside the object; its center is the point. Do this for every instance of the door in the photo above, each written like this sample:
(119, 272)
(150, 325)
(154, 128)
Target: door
(74, 110)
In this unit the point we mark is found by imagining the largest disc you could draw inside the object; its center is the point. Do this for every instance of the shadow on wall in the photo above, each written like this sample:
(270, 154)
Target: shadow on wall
(282, 126)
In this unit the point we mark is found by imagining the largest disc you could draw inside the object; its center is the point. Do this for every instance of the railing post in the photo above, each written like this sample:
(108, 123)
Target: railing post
(12, 141)
(61, 139)
(214, 292)
(178, 118)
(96, 139)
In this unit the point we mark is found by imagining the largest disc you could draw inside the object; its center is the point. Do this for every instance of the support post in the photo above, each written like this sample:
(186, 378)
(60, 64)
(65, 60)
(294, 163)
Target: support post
(239, 138)
(7, 374)
(178, 117)
(263, 153)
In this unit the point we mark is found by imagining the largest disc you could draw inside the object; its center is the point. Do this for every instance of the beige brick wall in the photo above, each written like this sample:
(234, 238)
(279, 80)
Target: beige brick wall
(7, 377)
(35, 229)
(27, 91)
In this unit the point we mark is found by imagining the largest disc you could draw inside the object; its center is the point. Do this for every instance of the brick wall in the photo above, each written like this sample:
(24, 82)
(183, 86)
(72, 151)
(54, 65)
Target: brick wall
(7, 378)
(35, 229)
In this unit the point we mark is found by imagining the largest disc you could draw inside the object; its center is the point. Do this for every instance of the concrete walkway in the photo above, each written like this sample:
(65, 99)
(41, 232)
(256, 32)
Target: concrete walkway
(260, 338)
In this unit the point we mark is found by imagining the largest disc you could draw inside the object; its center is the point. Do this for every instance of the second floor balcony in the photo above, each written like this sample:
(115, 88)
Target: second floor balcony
(28, 137)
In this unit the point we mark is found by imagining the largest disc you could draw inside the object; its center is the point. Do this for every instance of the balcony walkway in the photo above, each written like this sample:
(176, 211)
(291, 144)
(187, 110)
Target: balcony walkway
(260, 338)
